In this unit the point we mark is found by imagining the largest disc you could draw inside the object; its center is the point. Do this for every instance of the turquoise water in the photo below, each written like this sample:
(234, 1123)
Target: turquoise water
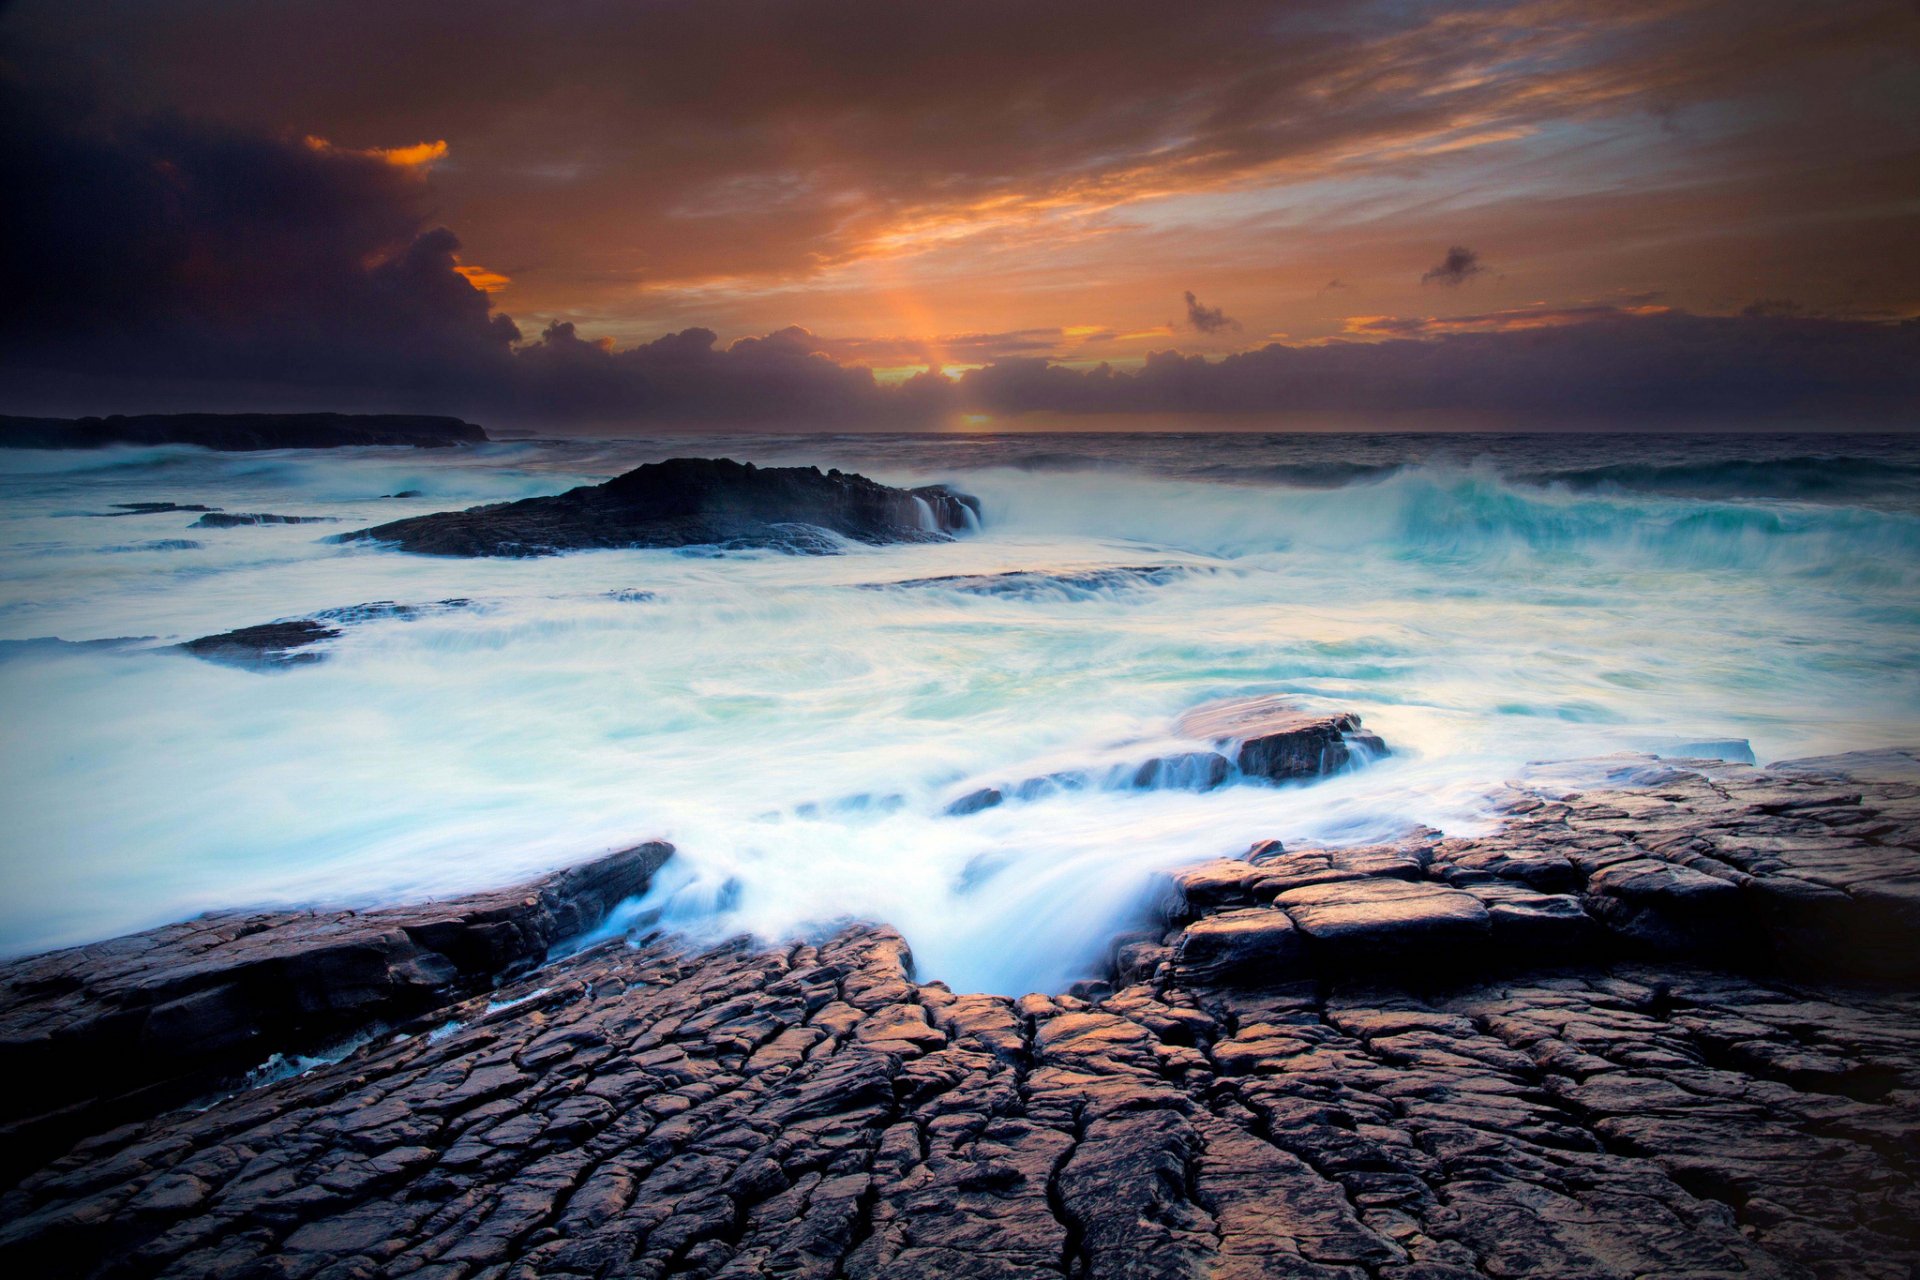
(1481, 602)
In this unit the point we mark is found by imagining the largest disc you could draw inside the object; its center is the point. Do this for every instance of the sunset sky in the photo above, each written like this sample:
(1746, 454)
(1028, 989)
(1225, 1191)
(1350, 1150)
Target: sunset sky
(303, 204)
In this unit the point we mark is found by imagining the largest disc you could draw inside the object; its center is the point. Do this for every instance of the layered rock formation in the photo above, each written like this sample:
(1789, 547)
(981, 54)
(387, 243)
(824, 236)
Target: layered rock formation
(92, 1034)
(240, 432)
(692, 502)
(811, 1110)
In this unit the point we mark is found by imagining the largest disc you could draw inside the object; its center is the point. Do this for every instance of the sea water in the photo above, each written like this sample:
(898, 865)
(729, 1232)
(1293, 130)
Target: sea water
(797, 727)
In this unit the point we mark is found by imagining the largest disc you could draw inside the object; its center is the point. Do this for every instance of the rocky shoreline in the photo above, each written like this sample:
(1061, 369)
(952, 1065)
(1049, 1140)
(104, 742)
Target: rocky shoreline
(1663, 1025)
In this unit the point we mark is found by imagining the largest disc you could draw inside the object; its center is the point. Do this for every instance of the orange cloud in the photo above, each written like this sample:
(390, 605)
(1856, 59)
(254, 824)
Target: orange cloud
(1512, 321)
(484, 280)
(418, 156)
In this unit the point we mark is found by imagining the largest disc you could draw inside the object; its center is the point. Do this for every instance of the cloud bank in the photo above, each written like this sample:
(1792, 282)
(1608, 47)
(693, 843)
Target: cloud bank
(165, 263)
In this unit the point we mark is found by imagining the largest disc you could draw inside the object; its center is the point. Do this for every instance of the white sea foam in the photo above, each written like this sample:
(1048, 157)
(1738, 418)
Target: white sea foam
(799, 737)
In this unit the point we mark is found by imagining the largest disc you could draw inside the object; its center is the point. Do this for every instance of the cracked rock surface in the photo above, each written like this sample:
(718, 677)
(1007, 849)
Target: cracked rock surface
(810, 1110)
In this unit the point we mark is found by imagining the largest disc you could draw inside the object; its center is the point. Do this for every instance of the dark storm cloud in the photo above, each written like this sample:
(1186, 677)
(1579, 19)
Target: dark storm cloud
(164, 248)
(1459, 266)
(677, 142)
(1614, 366)
(163, 262)
(1207, 319)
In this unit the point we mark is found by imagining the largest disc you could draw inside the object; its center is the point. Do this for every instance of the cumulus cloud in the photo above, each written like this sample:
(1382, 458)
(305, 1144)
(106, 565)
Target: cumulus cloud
(1208, 319)
(1459, 266)
(165, 248)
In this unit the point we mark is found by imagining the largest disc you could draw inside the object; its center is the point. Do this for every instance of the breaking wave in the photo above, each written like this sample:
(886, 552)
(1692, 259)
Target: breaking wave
(801, 736)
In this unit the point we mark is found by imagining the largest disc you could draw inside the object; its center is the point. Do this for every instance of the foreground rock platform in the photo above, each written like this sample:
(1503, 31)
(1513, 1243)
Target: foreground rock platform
(92, 1034)
(688, 502)
(240, 432)
(811, 1110)
(1809, 867)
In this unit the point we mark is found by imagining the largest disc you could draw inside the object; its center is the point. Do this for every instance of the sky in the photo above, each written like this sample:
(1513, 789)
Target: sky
(584, 214)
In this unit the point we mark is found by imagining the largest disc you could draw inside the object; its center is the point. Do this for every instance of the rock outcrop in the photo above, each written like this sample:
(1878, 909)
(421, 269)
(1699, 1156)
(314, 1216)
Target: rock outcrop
(692, 502)
(291, 642)
(241, 519)
(92, 1033)
(1809, 867)
(1266, 738)
(240, 432)
(1274, 738)
(811, 1110)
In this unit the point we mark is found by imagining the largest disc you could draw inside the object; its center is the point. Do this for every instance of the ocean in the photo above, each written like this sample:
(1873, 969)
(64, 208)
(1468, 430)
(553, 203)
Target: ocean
(798, 725)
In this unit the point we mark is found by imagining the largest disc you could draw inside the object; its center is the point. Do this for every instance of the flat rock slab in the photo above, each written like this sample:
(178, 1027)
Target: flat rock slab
(1367, 920)
(132, 1022)
(812, 1111)
(1256, 944)
(1277, 739)
(687, 502)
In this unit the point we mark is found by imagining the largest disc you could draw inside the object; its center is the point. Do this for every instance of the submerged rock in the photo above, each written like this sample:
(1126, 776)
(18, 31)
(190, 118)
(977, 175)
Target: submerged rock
(273, 645)
(240, 432)
(1031, 584)
(150, 509)
(1276, 739)
(266, 646)
(235, 520)
(687, 502)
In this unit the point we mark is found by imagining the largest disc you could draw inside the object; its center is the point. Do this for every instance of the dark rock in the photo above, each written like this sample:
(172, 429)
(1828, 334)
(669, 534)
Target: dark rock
(1253, 945)
(692, 502)
(265, 647)
(92, 1030)
(1273, 738)
(975, 801)
(1029, 584)
(1365, 922)
(807, 1109)
(149, 508)
(157, 544)
(240, 432)
(236, 520)
(274, 645)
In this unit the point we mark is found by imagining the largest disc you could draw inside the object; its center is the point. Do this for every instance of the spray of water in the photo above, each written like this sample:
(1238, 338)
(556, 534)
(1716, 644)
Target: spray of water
(799, 734)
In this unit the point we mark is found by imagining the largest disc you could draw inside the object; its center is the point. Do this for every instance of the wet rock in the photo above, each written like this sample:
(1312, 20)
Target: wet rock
(274, 645)
(1250, 945)
(1367, 922)
(1067, 585)
(689, 502)
(809, 1109)
(195, 1002)
(152, 508)
(266, 646)
(236, 520)
(240, 432)
(1276, 739)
